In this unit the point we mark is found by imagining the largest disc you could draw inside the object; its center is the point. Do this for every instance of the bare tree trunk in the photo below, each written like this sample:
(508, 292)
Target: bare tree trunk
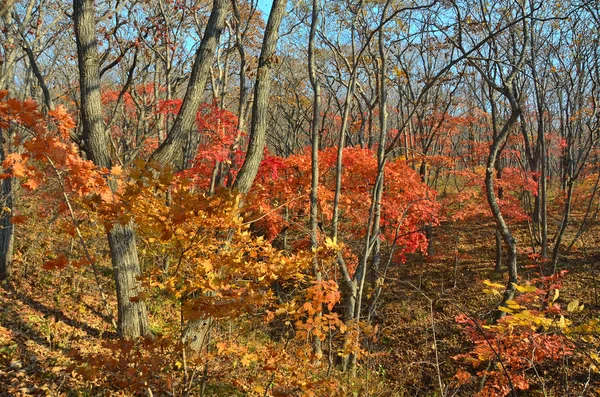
(132, 316)
(423, 172)
(498, 269)
(6, 226)
(314, 133)
(373, 223)
(171, 151)
(563, 225)
(543, 193)
(133, 319)
(498, 266)
(501, 225)
(262, 88)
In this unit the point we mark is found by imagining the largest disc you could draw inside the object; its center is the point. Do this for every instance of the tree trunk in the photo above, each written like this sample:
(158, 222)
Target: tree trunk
(314, 163)
(563, 225)
(428, 229)
(543, 194)
(171, 151)
(133, 319)
(6, 226)
(498, 267)
(501, 225)
(260, 107)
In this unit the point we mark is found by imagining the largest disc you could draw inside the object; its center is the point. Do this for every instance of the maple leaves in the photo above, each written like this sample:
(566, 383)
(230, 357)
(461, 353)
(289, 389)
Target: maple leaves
(215, 266)
(285, 183)
(533, 332)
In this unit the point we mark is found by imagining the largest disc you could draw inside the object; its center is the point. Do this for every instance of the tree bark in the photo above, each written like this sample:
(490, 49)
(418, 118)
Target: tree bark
(132, 316)
(171, 151)
(133, 319)
(314, 153)
(6, 226)
(564, 222)
(262, 88)
(501, 224)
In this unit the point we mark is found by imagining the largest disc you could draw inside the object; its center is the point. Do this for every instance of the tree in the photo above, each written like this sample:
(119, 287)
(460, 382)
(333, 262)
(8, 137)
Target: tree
(258, 127)
(133, 319)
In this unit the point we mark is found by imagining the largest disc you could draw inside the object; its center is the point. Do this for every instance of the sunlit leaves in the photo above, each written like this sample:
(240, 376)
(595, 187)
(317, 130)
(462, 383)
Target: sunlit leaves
(533, 331)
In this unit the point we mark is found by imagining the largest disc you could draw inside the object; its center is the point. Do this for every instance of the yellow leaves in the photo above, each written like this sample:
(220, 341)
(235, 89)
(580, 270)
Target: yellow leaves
(493, 288)
(248, 359)
(524, 289)
(555, 295)
(493, 285)
(491, 291)
(574, 306)
(332, 244)
(512, 304)
(207, 266)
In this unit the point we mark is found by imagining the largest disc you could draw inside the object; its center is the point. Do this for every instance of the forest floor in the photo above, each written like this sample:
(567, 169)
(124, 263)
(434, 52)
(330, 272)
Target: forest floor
(425, 296)
(45, 315)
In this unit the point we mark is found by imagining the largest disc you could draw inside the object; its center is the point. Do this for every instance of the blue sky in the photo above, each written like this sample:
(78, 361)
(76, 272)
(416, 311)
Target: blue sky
(265, 7)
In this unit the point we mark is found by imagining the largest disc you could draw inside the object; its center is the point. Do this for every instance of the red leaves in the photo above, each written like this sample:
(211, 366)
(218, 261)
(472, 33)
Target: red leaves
(528, 336)
(18, 219)
(169, 106)
(284, 183)
(58, 263)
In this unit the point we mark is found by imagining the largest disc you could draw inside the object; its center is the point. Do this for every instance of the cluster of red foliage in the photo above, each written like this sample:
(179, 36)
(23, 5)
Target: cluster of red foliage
(507, 353)
(407, 203)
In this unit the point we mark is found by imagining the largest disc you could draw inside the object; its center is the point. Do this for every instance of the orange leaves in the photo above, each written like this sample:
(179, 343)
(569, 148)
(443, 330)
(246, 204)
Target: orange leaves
(323, 292)
(314, 316)
(64, 121)
(18, 219)
(116, 171)
(141, 296)
(58, 263)
(24, 113)
(16, 163)
(49, 154)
